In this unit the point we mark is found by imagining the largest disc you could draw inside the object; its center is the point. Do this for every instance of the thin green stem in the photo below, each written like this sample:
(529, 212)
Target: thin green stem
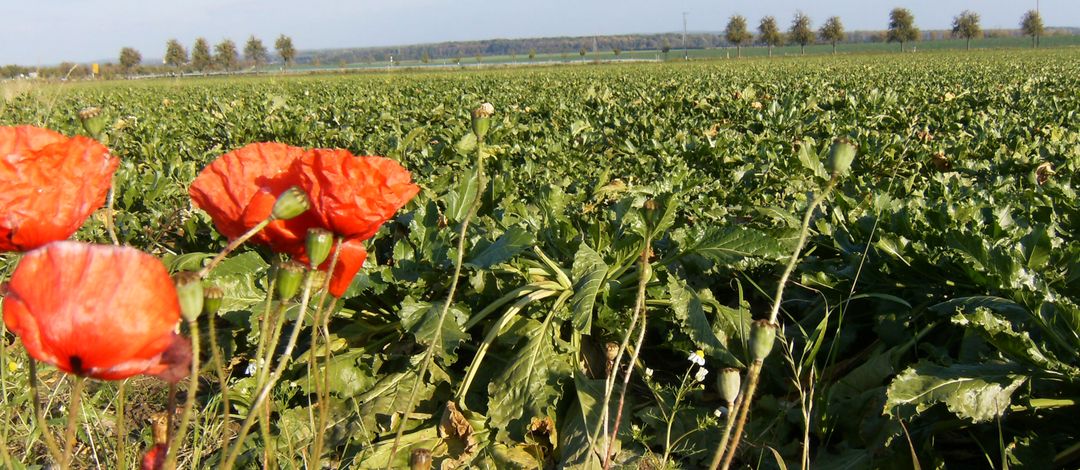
(671, 419)
(72, 421)
(639, 313)
(121, 425)
(230, 460)
(223, 378)
(39, 416)
(320, 322)
(189, 401)
(752, 376)
(732, 408)
(110, 220)
(458, 262)
(754, 372)
(234, 244)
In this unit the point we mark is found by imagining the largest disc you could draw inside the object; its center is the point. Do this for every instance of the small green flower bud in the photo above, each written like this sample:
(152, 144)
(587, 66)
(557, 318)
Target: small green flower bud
(729, 382)
(291, 203)
(189, 290)
(841, 154)
(289, 276)
(481, 120)
(420, 459)
(762, 336)
(93, 121)
(319, 243)
(212, 298)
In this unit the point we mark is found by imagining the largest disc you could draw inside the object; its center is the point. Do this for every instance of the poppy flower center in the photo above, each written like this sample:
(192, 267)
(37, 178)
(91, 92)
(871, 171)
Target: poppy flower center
(76, 365)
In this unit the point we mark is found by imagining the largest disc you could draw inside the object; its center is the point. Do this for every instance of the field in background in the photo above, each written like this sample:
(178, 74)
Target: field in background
(935, 315)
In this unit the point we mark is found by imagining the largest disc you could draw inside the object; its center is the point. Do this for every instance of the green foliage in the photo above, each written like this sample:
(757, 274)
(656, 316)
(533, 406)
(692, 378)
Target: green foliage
(942, 271)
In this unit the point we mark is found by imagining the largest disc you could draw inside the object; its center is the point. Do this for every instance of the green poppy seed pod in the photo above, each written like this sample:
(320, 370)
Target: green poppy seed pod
(762, 336)
(481, 120)
(291, 203)
(420, 459)
(93, 121)
(319, 243)
(729, 382)
(212, 298)
(841, 154)
(189, 290)
(289, 275)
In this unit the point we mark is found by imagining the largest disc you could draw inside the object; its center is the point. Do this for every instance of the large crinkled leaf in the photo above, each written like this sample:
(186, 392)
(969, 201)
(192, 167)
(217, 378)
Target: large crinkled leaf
(422, 320)
(509, 244)
(727, 245)
(579, 423)
(999, 332)
(458, 200)
(689, 309)
(530, 385)
(979, 392)
(588, 275)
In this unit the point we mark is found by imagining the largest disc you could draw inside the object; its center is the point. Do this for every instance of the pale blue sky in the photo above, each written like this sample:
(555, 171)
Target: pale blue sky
(50, 31)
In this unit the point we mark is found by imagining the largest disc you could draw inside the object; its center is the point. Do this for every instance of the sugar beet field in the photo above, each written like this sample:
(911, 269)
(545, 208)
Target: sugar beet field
(829, 262)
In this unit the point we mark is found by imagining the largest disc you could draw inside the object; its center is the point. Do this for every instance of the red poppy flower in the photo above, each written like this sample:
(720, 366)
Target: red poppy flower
(49, 185)
(351, 196)
(95, 310)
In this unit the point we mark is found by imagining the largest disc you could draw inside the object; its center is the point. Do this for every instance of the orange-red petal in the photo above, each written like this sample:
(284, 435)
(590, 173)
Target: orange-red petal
(353, 196)
(100, 311)
(49, 185)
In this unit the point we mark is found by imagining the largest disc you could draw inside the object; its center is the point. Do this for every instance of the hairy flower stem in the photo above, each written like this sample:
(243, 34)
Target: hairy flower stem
(110, 218)
(729, 423)
(320, 322)
(460, 259)
(39, 416)
(189, 401)
(645, 273)
(265, 390)
(232, 246)
(74, 407)
(752, 376)
(121, 425)
(755, 369)
(223, 378)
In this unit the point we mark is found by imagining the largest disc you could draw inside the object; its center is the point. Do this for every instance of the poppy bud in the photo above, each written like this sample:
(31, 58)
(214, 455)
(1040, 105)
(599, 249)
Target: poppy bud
(481, 120)
(420, 459)
(762, 335)
(189, 290)
(289, 276)
(319, 242)
(212, 298)
(841, 154)
(93, 121)
(291, 203)
(729, 382)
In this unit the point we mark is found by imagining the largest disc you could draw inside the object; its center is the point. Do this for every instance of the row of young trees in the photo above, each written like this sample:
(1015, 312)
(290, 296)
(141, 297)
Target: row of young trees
(225, 55)
(902, 29)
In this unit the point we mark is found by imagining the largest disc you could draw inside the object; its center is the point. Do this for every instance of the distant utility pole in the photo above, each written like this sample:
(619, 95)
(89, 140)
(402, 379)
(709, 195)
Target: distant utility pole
(685, 55)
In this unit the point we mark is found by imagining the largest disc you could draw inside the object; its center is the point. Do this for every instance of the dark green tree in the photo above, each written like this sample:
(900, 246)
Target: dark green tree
(129, 59)
(532, 54)
(424, 57)
(966, 25)
(736, 33)
(285, 49)
(200, 55)
(665, 47)
(175, 54)
(902, 27)
(255, 51)
(801, 33)
(832, 31)
(225, 54)
(769, 34)
(1032, 25)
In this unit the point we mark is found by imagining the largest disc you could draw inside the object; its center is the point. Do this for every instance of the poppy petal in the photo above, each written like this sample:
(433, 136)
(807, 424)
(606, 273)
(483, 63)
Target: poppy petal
(101, 311)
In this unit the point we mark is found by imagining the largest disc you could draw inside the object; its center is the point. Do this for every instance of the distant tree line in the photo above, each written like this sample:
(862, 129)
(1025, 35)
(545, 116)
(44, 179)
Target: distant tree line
(225, 56)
